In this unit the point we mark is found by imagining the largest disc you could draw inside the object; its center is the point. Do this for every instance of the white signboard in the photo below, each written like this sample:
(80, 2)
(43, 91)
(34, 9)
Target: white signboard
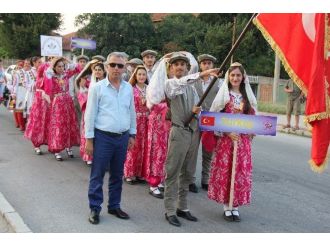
(51, 45)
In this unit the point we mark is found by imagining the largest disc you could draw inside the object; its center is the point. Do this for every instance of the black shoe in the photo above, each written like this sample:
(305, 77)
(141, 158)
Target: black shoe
(157, 195)
(58, 157)
(173, 220)
(130, 181)
(89, 163)
(205, 187)
(140, 181)
(193, 188)
(70, 153)
(119, 213)
(236, 218)
(161, 189)
(94, 217)
(37, 151)
(229, 217)
(186, 215)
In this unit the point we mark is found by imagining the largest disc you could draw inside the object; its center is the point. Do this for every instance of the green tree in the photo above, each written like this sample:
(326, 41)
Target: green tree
(180, 31)
(20, 33)
(253, 52)
(131, 33)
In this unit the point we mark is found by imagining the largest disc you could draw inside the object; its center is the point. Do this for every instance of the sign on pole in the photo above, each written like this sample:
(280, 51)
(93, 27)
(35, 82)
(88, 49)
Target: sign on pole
(83, 43)
(51, 45)
(238, 123)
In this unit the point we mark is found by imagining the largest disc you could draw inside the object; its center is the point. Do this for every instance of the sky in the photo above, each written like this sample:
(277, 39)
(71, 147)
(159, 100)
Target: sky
(68, 23)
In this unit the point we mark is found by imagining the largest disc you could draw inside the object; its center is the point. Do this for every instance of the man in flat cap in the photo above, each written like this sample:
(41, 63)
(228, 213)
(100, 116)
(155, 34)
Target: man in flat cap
(99, 58)
(130, 67)
(149, 60)
(183, 142)
(206, 62)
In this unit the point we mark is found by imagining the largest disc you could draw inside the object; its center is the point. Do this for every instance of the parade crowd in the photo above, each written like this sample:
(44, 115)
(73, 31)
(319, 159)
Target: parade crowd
(129, 119)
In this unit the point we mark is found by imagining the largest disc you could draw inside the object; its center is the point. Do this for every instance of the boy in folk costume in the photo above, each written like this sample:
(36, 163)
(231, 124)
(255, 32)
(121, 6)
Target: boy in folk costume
(19, 92)
(149, 60)
(234, 96)
(183, 140)
(206, 62)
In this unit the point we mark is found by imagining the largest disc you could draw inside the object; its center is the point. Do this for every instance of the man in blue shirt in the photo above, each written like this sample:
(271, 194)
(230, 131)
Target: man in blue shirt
(110, 128)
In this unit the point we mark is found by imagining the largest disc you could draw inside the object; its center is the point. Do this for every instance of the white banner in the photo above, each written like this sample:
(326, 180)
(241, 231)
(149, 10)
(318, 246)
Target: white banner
(51, 45)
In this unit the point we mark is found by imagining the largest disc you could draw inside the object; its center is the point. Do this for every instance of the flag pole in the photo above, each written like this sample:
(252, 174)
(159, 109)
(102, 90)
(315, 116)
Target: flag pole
(232, 180)
(230, 53)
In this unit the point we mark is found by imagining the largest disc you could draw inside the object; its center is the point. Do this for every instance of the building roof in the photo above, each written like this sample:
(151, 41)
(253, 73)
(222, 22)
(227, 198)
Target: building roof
(67, 41)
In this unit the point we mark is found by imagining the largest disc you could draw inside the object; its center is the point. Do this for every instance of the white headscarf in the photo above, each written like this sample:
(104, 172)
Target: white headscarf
(223, 97)
(156, 88)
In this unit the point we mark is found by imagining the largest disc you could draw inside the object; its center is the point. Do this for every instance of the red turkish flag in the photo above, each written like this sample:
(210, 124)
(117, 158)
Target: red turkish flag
(302, 41)
(208, 121)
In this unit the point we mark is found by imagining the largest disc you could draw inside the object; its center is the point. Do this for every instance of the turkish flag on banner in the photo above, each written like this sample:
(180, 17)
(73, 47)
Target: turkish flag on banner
(302, 41)
(208, 121)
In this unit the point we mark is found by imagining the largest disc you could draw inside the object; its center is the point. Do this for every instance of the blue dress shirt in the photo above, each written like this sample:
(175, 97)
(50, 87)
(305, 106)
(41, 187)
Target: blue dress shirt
(109, 109)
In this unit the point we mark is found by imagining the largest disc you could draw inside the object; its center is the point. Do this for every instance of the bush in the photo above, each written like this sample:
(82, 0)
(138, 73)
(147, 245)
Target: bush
(271, 108)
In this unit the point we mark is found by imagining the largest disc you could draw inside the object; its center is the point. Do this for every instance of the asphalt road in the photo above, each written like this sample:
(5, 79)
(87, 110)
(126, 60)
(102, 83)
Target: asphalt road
(51, 196)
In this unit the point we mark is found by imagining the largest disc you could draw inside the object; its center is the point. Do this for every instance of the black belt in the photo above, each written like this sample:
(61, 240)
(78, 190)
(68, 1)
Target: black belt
(112, 133)
(184, 128)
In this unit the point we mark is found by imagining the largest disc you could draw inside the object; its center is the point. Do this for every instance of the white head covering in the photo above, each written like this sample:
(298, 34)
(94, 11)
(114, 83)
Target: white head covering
(156, 88)
(222, 97)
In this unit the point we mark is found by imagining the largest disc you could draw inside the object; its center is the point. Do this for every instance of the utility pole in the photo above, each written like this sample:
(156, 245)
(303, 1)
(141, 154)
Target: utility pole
(277, 71)
(234, 35)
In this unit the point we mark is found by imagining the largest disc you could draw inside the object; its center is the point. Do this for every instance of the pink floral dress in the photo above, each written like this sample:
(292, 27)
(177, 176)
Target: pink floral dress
(221, 166)
(82, 99)
(134, 165)
(37, 126)
(63, 124)
(156, 149)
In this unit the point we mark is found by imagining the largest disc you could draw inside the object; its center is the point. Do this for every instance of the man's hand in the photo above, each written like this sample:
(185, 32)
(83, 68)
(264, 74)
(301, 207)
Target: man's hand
(131, 142)
(211, 72)
(82, 82)
(233, 136)
(196, 109)
(89, 147)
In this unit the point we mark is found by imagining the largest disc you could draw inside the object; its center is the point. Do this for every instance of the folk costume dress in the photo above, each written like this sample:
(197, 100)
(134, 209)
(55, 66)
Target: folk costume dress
(19, 91)
(135, 161)
(219, 183)
(37, 126)
(63, 125)
(221, 166)
(82, 97)
(31, 76)
(156, 146)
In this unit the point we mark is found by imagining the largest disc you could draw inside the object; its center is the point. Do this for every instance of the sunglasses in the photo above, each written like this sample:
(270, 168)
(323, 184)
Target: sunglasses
(119, 65)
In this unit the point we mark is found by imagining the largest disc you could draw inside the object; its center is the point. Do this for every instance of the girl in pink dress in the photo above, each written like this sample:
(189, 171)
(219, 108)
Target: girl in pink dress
(235, 96)
(98, 73)
(134, 167)
(156, 149)
(63, 124)
(36, 129)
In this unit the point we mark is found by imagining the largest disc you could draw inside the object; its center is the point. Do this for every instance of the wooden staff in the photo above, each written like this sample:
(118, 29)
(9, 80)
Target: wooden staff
(234, 47)
(232, 181)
